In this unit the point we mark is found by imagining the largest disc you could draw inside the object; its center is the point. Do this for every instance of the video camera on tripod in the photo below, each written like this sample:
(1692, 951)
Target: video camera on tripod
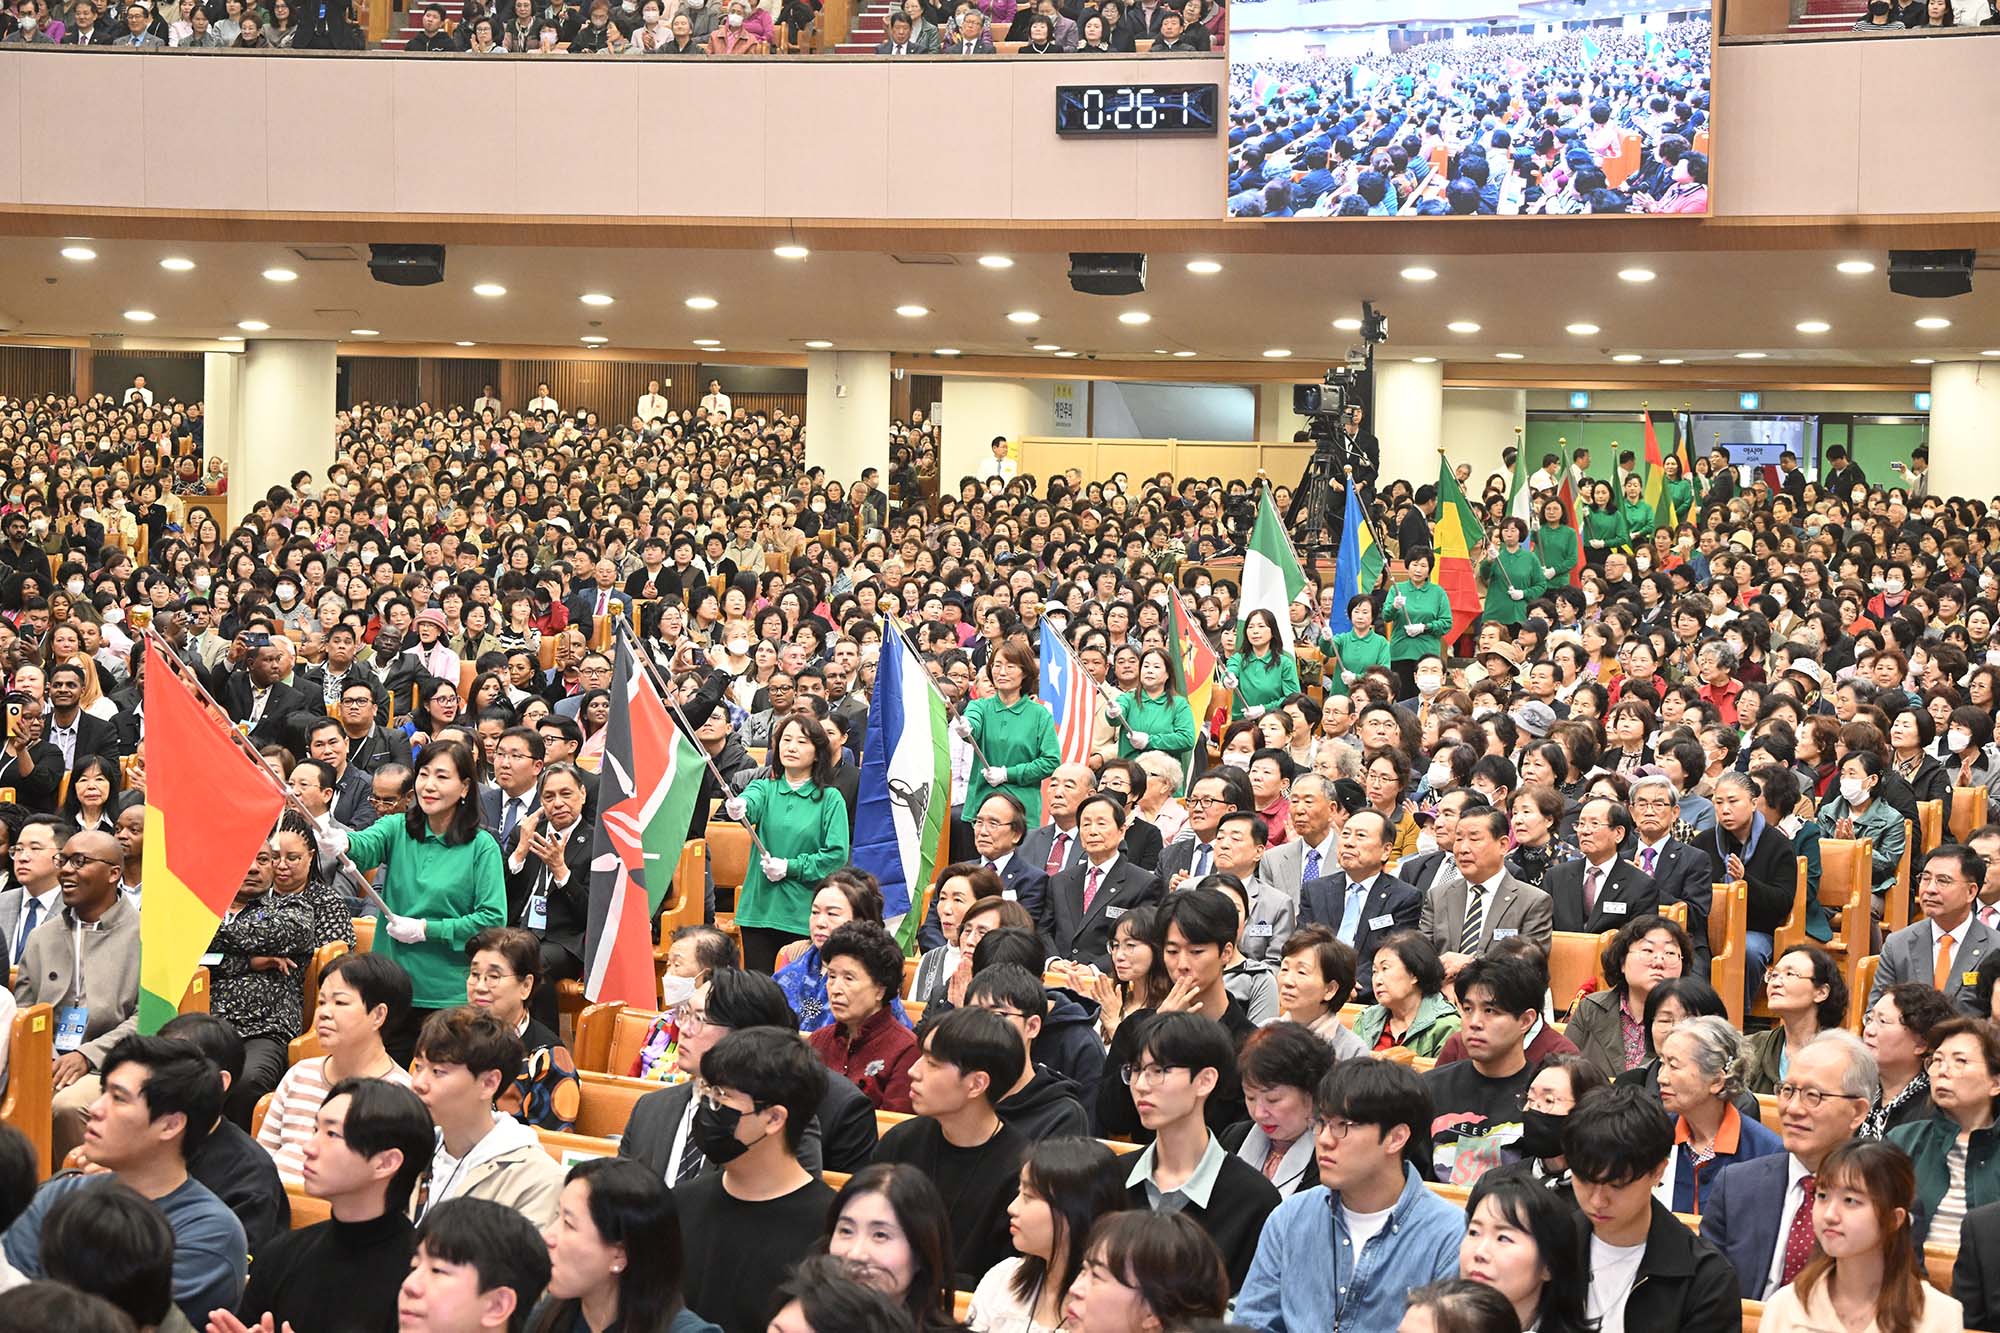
(1350, 388)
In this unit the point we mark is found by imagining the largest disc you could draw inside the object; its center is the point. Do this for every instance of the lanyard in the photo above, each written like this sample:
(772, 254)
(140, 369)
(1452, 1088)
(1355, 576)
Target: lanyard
(76, 949)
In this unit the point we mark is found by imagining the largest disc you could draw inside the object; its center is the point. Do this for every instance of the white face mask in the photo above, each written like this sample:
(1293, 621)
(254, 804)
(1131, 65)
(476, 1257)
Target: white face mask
(1427, 683)
(1957, 741)
(1427, 841)
(75, 587)
(113, 615)
(1853, 790)
(286, 592)
(738, 647)
(1439, 775)
(1893, 587)
(1590, 597)
(735, 20)
(202, 582)
(1201, 590)
(676, 991)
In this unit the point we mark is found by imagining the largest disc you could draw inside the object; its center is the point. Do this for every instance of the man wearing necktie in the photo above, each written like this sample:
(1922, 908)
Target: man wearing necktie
(1361, 902)
(1945, 948)
(1681, 873)
(899, 36)
(548, 881)
(1214, 794)
(1598, 891)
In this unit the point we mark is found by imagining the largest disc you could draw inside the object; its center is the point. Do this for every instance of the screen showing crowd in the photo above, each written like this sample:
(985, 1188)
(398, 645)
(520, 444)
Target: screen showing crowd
(1345, 109)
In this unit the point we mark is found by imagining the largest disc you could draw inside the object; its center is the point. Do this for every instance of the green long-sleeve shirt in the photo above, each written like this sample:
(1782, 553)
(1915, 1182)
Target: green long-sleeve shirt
(1506, 571)
(1681, 493)
(805, 826)
(1641, 522)
(1359, 654)
(455, 890)
(1603, 530)
(1022, 739)
(1416, 627)
(1265, 681)
(1165, 720)
(1556, 548)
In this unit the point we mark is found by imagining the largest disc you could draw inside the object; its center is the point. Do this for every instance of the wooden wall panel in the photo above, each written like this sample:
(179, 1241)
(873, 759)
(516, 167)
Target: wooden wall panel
(609, 388)
(771, 404)
(381, 379)
(925, 392)
(455, 381)
(36, 370)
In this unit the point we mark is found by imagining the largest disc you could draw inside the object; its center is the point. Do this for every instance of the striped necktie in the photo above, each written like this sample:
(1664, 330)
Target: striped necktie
(1468, 938)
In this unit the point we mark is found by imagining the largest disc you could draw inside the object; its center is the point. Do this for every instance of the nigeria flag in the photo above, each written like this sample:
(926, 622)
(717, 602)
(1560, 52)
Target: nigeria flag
(904, 800)
(1271, 573)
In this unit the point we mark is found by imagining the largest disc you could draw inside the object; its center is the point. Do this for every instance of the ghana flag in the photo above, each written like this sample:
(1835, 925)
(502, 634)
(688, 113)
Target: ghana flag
(208, 810)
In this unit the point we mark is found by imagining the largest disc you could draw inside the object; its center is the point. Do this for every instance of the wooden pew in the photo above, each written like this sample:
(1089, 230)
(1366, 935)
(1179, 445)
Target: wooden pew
(364, 934)
(323, 955)
(607, 1101)
(569, 1149)
(1727, 946)
(1896, 911)
(1791, 931)
(1968, 811)
(31, 1053)
(195, 1001)
(1767, 1112)
(1930, 826)
(1858, 988)
(1575, 957)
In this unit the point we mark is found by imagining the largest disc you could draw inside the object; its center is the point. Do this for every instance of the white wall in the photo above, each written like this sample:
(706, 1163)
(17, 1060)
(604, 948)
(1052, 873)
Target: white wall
(287, 397)
(977, 410)
(1965, 427)
(1136, 411)
(1479, 423)
(1409, 420)
(847, 412)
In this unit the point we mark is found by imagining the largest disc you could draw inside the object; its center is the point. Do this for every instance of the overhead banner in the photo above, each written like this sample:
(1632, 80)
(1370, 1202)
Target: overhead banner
(1447, 108)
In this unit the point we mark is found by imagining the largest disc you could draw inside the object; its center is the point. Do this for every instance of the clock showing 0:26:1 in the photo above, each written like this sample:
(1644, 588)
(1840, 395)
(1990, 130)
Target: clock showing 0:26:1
(1137, 109)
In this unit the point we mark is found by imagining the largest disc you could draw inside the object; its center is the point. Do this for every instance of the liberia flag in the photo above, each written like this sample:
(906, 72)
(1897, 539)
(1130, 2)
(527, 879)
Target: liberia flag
(647, 786)
(1066, 691)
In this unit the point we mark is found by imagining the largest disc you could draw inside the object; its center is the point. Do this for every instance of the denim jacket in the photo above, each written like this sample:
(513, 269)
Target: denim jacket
(1292, 1289)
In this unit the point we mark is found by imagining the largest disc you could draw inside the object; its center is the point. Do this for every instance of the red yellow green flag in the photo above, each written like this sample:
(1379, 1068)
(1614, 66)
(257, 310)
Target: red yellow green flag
(1656, 481)
(208, 809)
(1193, 660)
(1454, 535)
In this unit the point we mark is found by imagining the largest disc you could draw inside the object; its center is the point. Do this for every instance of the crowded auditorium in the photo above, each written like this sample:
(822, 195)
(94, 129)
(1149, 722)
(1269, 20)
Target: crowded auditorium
(884, 727)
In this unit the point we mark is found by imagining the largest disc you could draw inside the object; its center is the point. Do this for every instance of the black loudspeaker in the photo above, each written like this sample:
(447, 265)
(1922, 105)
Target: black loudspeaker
(406, 265)
(1108, 274)
(1934, 274)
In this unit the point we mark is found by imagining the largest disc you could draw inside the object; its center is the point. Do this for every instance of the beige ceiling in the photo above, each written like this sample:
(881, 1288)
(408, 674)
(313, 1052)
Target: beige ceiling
(1703, 307)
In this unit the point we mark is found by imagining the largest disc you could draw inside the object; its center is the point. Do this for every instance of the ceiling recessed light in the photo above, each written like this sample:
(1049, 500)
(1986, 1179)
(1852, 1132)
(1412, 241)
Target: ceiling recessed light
(1507, 356)
(176, 264)
(1636, 274)
(465, 342)
(995, 261)
(1462, 326)
(1135, 317)
(1922, 361)
(1418, 273)
(1627, 358)
(365, 333)
(1347, 325)
(945, 351)
(1855, 266)
(80, 253)
(1751, 356)
(602, 298)
(1672, 361)
(790, 251)
(913, 311)
(1184, 352)
(1065, 353)
(280, 275)
(818, 344)
(1813, 326)
(707, 342)
(488, 289)
(594, 339)
(1276, 352)
(1048, 347)
(1424, 360)
(1159, 351)
(231, 338)
(139, 316)
(1581, 330)
(1933, 322)
(247, 325)
(1203, 266)
(1023, 317)
(1991, 351)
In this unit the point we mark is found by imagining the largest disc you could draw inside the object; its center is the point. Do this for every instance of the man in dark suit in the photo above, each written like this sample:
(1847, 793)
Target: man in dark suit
(89, 29)
(997, 829)
(840, 1136)
(1361, 903)
(1084, 903)
(1598, 892)
(1422, 869)
(68, 727)
(1975, 1278)
(1756, 1206)
(517, 783)
(971, 39)
(899, 37)
(1218, 792)
(370, 745)
(598, 598)
(1054, 842)
(548, 881)
(255, 692)
(340, 665)
(1681, 873)
(1413, 531)
(353, 792)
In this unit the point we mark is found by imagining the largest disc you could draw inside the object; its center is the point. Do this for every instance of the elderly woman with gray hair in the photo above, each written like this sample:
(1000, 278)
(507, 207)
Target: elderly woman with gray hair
(1159, 805)
(1701, 1074)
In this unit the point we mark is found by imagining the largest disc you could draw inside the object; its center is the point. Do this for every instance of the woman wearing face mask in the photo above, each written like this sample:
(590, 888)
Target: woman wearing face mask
(890, 1226)
(1263, 675)
(1419, 612)
(1512, 574)
(1855, 812)
(1519, 1240)
(615, 1255)
(1973, 759)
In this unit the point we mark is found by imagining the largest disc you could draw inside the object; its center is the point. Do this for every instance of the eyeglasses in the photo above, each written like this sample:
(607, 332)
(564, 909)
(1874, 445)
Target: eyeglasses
(1810, 1098)
(1334, 1127)
(77, 861)
(1139, 1076)
(1954, 1064)
(491, 976)
(985, 823)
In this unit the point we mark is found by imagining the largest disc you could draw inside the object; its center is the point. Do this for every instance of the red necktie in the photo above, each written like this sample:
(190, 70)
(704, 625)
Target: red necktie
(1090, 883)
(1058, 853)
(1799, 1240)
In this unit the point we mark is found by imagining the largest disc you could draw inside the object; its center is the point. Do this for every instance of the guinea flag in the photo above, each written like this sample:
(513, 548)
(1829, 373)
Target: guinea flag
(1454, 536)
(647, 785)
(1271, 573)
(209, 807)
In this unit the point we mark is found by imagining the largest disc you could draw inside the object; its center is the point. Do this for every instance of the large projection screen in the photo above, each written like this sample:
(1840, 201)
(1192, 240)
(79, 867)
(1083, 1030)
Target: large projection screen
(1468, 108)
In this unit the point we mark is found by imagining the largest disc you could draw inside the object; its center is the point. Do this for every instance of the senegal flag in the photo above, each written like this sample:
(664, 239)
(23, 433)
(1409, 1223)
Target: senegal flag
(208, 809)
(1656, 481)
(1271, 573)
(1454, 535)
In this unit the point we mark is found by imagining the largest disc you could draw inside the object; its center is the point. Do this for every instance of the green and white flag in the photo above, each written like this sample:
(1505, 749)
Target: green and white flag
(1271, 574)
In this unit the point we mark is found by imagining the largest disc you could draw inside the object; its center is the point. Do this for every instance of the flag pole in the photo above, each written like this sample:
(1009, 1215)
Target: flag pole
(1486, 539)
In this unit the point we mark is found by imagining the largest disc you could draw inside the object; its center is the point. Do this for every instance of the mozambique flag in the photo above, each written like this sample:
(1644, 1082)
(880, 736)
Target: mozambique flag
(1193, 660)
(1454, 536)
(1656, 481)
(647, 785)
(209, 807)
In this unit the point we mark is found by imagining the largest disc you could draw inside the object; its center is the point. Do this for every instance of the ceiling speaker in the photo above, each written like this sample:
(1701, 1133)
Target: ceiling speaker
(406, 265)
(1934, 274)
(1108, 274)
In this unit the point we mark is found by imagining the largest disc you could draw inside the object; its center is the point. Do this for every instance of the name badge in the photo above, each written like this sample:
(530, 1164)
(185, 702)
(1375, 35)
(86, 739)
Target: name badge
(1968, 978)
(538, 912)
(1504, 932)
(1009, 895)
(1113, 913)
(1258, 930)
(71, 1022)
(1615, 907)
(1382, 922)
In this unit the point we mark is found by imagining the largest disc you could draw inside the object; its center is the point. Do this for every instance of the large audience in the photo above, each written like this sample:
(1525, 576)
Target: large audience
(1270, 1011)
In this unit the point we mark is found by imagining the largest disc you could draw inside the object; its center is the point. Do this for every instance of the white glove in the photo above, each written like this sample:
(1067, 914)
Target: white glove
(1254, 711)
(1596, 545)
(736, 807)
(1114, 715)
(1548, 572)
(1517, 594)
(406, 929)
(1400, 601)
(1228, 679)
(961, 728)
(1139, 739)
(774, 867)
(995, 774)
(1348, 677)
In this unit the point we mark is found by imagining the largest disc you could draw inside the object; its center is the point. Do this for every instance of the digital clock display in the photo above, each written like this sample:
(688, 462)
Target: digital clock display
(1164, 108)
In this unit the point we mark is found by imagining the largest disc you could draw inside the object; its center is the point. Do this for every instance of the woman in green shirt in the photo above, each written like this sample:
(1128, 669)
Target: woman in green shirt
(1359, 650)
(1263, 675)
(444, 884)
(1419, 613)
(801, 820)
(1680, 491)
(1603, 527)
(1639, 517)
(1513, 576)
(1153, 717)
(1555, 545)
(1013, 734)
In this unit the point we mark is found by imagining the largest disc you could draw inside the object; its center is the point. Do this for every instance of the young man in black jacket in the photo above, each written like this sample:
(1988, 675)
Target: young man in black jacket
(1039, 1101)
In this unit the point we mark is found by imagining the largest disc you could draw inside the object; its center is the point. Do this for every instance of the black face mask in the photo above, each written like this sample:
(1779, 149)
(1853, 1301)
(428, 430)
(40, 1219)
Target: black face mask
(714, 1131)
(1541, 1134)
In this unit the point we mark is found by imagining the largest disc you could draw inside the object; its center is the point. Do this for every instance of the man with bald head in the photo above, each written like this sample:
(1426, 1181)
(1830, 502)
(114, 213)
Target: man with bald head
(1361, 902)
(99, 927)
(1053, 845)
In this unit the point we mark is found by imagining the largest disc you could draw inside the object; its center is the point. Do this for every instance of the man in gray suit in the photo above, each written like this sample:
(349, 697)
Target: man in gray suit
(1945, 948)
(1052, 845)
(1315, 851)
(1465, 914)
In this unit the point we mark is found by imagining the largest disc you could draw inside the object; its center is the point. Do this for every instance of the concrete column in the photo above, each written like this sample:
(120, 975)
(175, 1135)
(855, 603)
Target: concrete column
(1479, 423)
(283, 416)
(1965, 428)
(847, 413)
(222, 419)
(1409, 420)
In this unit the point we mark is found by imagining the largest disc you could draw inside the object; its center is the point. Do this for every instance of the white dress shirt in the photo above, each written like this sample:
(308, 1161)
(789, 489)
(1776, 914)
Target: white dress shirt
(544, 403)
(652, 406)
(1795, 1197)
